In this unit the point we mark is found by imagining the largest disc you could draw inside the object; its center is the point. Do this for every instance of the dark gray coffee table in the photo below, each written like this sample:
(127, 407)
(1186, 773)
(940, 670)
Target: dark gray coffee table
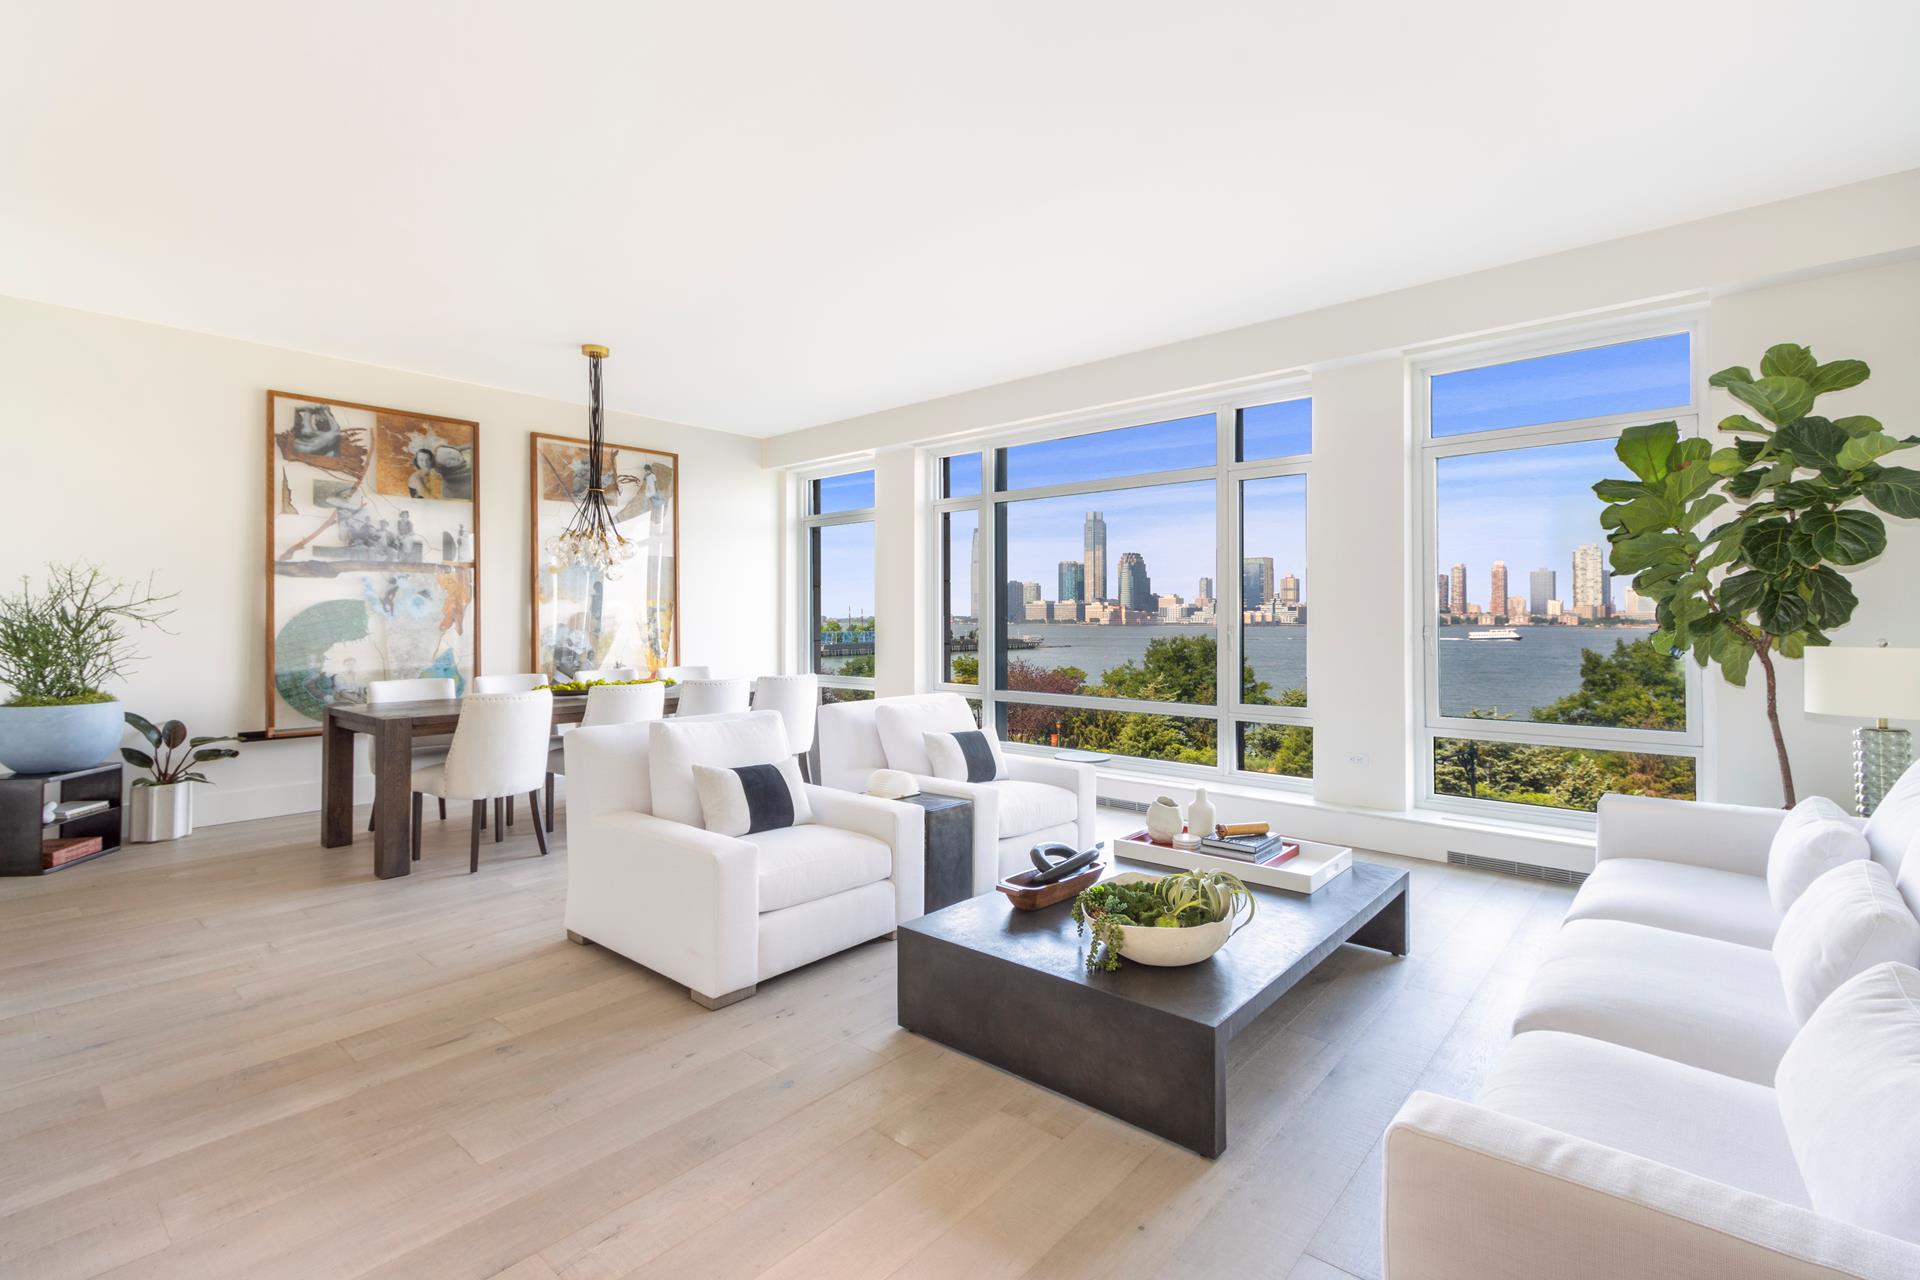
(1147, 1045)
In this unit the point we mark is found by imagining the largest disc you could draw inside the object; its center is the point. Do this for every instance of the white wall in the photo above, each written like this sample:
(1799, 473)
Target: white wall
(1834, 270)
(143, 448)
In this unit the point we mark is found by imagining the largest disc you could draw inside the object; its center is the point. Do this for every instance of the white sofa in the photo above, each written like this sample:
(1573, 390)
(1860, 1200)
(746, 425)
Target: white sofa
(1039, 800)
(719, 913)
(1635, 1127)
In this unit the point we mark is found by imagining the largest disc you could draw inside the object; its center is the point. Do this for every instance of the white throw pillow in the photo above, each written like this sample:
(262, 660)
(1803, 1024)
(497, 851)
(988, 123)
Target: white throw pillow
(902, 721)
(1896, 821)
(1846, 1089)
(677, 744)
(745, 798)
(1847, 921)
(967, 755)
(1814, 838)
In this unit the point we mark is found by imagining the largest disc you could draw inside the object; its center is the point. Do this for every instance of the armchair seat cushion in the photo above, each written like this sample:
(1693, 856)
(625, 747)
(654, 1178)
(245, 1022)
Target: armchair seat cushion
(1699, 1121)
(1707, 1003)
(802, 864)
(1680, 896)
(1030, 806)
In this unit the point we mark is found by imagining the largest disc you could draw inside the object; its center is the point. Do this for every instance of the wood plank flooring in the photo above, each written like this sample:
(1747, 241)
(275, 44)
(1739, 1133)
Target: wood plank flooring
(241, 1055)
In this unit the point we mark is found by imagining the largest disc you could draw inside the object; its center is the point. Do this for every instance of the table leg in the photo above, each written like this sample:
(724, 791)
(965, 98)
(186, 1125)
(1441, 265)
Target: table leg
(336, 784)
(392, 789)
(1388, 931)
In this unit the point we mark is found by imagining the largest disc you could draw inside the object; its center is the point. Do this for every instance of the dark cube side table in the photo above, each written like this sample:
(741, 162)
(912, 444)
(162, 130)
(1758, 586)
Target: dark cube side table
(23, 798)
(949, 875)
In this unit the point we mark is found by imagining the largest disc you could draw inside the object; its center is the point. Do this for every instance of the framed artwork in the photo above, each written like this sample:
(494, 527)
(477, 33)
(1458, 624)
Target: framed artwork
(583, 619)
(373, 553)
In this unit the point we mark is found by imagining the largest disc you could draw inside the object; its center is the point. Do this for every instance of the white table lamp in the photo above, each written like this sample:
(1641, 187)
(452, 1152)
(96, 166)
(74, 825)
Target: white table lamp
(1882, 683)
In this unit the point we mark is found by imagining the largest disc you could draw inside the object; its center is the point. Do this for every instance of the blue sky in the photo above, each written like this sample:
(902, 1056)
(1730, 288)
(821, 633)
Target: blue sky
(1529, 507)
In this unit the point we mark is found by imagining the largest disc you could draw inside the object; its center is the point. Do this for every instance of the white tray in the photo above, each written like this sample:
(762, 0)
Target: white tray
(1306, 871)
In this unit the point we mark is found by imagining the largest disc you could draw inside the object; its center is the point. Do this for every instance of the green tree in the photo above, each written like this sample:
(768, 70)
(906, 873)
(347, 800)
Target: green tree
(1766, 581)
(1635, 687)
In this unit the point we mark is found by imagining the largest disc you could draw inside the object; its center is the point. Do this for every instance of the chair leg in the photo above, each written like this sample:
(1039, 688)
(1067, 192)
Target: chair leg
(539, 832)
(499, 820)
(483, 815)
(549, 802)
(370, 814)
(509, 810)
(419, 803)
(443, 807)
(473, 849)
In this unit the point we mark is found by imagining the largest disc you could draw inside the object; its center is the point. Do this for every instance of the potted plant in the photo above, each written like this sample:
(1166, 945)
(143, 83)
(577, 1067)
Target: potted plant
(163, 803)
(58, 646)
(1161, 920)
(1792, 493)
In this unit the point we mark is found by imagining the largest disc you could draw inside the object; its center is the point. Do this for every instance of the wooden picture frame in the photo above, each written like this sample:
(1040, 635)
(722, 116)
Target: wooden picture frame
(358, 589)
(598, 631)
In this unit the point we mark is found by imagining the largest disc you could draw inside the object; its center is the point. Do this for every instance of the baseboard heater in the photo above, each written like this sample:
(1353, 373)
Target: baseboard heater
(1133, 806)
(1552, 875)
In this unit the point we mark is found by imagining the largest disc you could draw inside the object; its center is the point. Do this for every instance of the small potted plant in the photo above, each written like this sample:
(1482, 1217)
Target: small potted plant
(163, 803)
(1161, 920)
(58, 646)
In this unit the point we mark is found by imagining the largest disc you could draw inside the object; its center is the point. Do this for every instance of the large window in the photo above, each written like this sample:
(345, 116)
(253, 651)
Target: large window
(838, 544)
(1543, 688)
(1095, 587)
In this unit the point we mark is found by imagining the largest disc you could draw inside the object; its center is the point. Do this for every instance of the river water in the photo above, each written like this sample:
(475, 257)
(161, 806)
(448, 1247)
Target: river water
(1493, 675)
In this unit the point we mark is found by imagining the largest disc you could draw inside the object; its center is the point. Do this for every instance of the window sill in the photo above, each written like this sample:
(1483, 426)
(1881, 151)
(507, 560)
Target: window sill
(1412, 832)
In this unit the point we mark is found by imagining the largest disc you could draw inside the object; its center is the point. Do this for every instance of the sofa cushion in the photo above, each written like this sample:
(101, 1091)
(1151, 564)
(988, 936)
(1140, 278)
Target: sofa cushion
(750, 798)
(1701, 1001)
(675, 745)
(1896, 821)
(1700, 1121)
(1028, 806)
(1679, 896)
(1813, 839)
(1849, 920)
(801, 864)
(964, 755)
(1846, 1091)
(902, 721)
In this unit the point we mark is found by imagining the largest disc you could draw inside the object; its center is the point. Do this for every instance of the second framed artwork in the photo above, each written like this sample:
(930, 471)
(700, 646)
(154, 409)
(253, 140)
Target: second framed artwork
(584, 619)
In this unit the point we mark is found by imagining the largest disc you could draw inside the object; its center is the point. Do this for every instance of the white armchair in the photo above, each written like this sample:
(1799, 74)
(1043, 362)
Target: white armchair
(1038, 800)
(744, 909)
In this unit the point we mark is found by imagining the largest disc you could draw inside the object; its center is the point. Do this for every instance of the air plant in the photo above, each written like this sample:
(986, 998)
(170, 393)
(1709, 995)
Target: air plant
(1179, 901)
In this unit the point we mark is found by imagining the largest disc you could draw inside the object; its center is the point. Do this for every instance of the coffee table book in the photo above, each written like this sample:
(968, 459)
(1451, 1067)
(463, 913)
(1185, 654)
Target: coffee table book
(1315, 865)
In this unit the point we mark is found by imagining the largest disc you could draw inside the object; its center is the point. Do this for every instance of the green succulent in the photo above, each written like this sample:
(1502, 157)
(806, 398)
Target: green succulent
(1178, 901)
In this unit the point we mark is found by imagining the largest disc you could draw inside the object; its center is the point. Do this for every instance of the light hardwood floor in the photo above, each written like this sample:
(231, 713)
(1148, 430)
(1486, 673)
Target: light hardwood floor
(242, 1055)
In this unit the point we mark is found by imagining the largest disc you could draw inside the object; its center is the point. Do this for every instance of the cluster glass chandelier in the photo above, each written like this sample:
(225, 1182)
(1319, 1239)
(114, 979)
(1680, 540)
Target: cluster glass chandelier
(592, 539)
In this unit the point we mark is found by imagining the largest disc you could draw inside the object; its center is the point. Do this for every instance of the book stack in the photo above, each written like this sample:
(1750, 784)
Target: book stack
(1262, 848)
(54, 853)
(68, 810)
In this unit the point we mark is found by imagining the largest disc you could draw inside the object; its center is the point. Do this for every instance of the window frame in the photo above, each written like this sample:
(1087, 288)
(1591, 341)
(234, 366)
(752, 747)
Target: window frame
(1226, 473)
(808, 598)
(1428, 451)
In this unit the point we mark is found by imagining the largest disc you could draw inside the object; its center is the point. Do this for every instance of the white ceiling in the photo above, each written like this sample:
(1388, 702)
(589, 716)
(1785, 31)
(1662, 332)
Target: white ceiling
(779, 214)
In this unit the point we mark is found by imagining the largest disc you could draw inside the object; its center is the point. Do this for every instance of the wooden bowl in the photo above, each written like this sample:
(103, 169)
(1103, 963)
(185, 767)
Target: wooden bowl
(1025, 895)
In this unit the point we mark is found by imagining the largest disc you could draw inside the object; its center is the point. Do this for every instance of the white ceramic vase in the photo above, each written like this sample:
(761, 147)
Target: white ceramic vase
(1200, 815)
(162, 813)
(1163, 820)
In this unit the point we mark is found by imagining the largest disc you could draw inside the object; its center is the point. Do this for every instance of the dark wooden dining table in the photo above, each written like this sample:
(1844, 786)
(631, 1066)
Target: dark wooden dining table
(393, 726)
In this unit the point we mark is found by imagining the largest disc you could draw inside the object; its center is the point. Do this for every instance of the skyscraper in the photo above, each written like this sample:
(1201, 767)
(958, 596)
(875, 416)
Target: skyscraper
(1095, 537)
(1440, 587)
(1541, 588)
(1458, 585)
(1206, 589)
(1136, 590)
(1592, 584)
(973, 578)
(1289, 590)
(1256, 582)
(1073, 580)
(1497, 601)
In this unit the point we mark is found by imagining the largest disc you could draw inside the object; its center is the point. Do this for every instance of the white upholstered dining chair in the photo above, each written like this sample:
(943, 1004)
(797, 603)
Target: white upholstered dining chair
(712, 697)
(499, 749)
(797, 699)
(422, 689)
(608, 704)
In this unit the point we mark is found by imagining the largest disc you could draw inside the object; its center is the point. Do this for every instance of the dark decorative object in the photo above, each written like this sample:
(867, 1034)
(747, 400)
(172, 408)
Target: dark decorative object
(593, 538)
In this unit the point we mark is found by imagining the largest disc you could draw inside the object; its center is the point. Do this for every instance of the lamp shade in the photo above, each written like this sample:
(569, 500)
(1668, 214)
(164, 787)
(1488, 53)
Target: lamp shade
(1881, 683)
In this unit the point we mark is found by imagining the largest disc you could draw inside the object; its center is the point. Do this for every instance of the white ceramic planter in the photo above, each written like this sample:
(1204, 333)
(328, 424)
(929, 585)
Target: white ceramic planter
(1168, 948)
(162, 813)
(59, 739)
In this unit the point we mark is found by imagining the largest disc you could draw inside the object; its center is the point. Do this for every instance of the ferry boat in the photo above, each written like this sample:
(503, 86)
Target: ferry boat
(1494, 633)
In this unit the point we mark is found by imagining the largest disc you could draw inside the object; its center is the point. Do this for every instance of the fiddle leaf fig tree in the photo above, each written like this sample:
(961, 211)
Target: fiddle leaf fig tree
(1801, 492)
